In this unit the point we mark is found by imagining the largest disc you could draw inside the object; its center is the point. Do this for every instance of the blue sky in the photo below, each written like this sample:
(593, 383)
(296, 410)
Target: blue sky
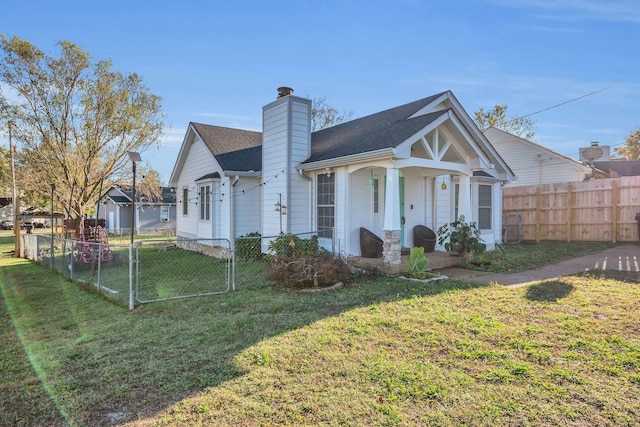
(219, 62)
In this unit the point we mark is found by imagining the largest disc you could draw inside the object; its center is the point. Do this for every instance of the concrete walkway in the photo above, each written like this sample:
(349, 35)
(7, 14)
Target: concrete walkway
(622, 258)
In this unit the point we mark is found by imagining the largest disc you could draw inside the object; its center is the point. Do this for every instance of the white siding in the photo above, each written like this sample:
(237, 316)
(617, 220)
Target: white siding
(341, 210)
(299, 187)
(362, 198)
(247, 206)
(285, 144)
(198, 163)
(444, 204)
(414, 205)
(534, 164)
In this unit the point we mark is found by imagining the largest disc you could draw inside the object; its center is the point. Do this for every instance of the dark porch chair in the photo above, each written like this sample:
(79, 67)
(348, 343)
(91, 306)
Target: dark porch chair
(370, 244)
(424, 237)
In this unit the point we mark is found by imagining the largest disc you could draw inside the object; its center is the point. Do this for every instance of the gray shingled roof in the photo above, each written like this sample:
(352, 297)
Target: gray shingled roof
(619, 167)
(385, 129)
(241, 150)
(249, 159)
(222, 140)
(168, 196)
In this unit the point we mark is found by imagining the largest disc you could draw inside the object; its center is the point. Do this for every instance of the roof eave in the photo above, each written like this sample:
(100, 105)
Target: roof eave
(346, 160)
(254, 174)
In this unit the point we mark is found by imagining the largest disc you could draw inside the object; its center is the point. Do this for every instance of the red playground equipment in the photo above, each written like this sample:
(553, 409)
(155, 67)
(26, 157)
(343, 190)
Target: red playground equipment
(91, 246)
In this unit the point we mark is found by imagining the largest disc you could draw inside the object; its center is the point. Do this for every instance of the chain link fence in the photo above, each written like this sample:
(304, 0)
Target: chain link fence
(166, 268)
(181, 268)
(253, 253)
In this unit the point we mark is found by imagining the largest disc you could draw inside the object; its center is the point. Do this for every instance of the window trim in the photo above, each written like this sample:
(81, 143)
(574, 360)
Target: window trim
(204, 198)
(330, 181)
(485, 207)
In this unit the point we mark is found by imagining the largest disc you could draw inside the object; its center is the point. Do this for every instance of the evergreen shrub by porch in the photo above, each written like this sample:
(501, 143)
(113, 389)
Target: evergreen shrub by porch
(301, 263)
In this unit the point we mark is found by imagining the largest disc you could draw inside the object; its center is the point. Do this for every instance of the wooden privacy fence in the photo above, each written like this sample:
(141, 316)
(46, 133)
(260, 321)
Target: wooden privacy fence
(596, 210)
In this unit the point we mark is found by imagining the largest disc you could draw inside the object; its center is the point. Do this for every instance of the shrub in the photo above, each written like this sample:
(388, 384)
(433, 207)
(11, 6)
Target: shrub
(290, 244)
(460, 237)
(417, 263)
(301, 263)
(249, 245)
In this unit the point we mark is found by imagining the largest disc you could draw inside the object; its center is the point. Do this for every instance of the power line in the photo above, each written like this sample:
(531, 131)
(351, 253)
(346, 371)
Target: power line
(562, 103)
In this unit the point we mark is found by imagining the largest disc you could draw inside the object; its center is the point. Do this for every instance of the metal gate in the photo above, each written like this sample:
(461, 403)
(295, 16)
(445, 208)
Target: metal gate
(181, 268)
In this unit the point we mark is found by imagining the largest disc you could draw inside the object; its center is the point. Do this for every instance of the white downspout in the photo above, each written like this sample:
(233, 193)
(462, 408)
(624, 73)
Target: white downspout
(232, 212)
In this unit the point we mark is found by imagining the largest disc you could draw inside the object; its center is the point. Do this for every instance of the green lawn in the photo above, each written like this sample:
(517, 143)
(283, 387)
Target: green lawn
(380, 351)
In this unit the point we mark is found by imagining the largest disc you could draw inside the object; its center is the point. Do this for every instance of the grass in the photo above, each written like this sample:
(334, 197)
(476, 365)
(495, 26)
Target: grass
(378, 352)
(531, 255)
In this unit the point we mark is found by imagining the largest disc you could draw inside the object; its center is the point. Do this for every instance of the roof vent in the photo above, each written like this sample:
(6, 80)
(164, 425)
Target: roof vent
(284, 91)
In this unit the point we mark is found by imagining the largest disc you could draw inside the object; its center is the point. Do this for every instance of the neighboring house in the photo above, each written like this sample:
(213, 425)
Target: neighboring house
(417, 164)
(619, 167)
(534, 164)
(6, 209)
(150, 215)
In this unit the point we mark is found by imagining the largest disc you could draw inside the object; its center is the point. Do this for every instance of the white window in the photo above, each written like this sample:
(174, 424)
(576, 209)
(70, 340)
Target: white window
(376, 194)
(205, 202)
(326, 204)
(484, 207)
(185, 201)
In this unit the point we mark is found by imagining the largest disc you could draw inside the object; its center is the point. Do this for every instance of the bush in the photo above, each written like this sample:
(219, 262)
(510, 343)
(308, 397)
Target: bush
(249, 246)
(307, 271)
(301, 263)
(290, 244)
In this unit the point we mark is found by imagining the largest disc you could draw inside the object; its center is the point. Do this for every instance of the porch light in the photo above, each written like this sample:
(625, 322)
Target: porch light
(277, 207)
(371, 179)
(444, 184)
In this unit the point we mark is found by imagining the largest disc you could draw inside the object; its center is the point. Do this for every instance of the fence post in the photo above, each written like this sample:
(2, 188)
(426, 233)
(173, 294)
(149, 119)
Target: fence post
(569, 211)
(538, 201)
(131, 276)
(232, 243)
(615, 197)
(333, 241)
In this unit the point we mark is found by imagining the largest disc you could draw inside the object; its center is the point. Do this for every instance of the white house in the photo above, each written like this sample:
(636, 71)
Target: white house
(421, 163)
(535, 164)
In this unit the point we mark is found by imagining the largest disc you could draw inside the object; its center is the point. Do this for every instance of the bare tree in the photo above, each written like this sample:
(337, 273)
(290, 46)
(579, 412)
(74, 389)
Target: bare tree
(324, 115)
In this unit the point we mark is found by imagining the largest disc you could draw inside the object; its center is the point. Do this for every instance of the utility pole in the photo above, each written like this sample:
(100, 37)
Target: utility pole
(14, 198)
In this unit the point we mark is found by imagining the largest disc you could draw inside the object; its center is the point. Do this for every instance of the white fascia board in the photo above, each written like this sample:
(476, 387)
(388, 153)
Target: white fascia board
(346, 160)
(252, 174)
(405, 146)
(471, 127)
(429, 108)
(182, 154)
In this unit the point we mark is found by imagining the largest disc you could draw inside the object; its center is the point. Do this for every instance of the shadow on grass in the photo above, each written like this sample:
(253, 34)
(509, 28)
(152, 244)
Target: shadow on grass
(550, 291)
(151, 358)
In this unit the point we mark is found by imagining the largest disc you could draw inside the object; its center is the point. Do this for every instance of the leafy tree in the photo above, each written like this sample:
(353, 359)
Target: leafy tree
(324, 115)
(631, 148)
(497, 118)
(5, 172)
(74, 120)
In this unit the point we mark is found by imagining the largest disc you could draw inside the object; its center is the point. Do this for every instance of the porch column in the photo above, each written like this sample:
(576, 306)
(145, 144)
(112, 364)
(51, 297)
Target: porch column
(391, 227)
(464, 197)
